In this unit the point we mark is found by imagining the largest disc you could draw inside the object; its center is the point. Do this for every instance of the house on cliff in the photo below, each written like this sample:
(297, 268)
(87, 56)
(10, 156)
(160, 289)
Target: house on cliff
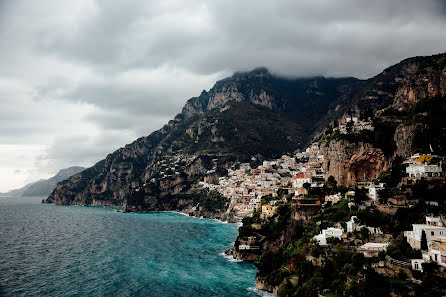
(322, 237)
(431, 230)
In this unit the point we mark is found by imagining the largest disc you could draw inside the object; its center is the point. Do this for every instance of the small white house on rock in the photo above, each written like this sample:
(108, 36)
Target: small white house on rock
(327, 233)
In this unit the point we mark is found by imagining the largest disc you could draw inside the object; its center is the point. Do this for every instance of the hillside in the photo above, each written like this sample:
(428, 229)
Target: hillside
(248, 117)
(44, 187)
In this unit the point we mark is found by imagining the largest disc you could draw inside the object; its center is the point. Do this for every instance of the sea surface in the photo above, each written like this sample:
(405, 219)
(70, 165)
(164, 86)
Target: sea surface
(49, 250)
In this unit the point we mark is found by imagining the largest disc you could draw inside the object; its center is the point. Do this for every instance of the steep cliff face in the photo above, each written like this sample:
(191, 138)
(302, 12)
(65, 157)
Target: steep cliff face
(392, 87)
(257, 114)
(403, 138)
(248, 114)
(352, 162)
(403, 132)
(429, 81)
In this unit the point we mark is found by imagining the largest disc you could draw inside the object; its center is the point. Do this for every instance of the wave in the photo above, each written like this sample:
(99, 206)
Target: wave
(176, 212)
(220, 221)
(260, 292)
(230, 258)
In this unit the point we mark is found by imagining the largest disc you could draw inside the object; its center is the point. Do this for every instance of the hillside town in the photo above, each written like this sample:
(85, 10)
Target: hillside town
(299, 181)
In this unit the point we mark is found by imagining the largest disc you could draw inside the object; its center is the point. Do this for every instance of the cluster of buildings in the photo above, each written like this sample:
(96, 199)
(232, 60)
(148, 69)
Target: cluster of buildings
(421, 166)
(430, 238)
(369, 249)
(245, 186)
(354, 125)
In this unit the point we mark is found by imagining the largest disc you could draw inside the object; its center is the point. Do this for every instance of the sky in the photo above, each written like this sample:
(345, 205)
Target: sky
(80, 79)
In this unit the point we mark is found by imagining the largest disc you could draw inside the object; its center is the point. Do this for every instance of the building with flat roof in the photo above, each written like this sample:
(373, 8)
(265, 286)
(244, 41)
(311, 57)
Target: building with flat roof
(327, 233)
(433, 228)
(371, 249)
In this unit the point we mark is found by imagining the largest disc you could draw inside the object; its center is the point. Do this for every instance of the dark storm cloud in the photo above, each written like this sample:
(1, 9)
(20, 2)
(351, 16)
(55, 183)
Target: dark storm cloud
(291, 37)
(94, 75)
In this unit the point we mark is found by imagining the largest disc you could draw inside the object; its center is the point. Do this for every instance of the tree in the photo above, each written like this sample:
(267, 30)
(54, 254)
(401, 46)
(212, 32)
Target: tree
(307, 186)
(333, 240)
(423, 241)
(364, 233)
(360, 196)
(332, 183)
(349, 127)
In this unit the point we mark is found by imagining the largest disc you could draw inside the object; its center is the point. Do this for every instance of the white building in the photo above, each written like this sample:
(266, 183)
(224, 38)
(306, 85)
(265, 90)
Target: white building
(333, 198)
(327, 233)
(423, 170)
(247, 247)
(301, 179)
(373, 190)
(353, 225)
(434, 221)
(417, 264)
(437, 251)
(433, 228)
(357, 125)
(371, 249)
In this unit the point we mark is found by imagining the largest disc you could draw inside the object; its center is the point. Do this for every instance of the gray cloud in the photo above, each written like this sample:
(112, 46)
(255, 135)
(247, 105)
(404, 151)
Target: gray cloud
(82, 78)
(291, 37)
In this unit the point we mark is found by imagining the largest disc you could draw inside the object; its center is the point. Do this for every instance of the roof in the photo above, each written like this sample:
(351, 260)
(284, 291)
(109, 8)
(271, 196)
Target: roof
(302, 175)
(426, 226)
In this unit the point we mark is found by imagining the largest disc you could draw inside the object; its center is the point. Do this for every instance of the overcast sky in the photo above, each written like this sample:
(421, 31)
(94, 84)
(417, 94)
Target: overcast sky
(79, 79)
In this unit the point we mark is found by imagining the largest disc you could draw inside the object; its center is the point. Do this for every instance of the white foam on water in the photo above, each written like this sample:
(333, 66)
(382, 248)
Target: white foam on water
(230, 258)
(220, 221)
(260, 292)
(177, 212)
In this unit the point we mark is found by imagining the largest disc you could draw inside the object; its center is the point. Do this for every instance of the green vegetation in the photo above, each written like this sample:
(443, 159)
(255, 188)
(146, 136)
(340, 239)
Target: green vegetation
(211, 201)
(343, 272)
(428, 116)
(393, 176)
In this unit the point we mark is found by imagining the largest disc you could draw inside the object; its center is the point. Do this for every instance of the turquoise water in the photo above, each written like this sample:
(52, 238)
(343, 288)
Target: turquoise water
(49, 250)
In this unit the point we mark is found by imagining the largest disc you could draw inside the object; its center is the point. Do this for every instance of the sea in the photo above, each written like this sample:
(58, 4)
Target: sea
(50, 250)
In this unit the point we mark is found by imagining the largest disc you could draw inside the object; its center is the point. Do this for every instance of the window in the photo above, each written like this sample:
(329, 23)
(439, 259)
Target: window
(432, 233)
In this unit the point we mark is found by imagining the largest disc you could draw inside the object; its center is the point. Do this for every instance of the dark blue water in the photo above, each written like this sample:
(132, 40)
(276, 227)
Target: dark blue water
(48, 250)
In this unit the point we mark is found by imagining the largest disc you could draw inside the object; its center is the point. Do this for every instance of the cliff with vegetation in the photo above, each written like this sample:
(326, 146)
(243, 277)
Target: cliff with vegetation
(254, 116)
(404, 104)
(244, 118)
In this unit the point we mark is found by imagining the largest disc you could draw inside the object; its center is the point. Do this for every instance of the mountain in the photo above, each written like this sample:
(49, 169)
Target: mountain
(406, 105)
(44, 187)
(248, 117)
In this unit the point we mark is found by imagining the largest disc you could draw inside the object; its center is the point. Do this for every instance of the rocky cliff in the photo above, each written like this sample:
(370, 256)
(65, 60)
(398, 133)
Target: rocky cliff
(256, 115)
(350, 162)
(249, 115)
(405, 104)
(390, 88)
(425, 82)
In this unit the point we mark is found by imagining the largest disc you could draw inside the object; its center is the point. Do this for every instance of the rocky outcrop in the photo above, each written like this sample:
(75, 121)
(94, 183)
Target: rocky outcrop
(263, 285)
(352, 162)
(429, 81)
(403, 138)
